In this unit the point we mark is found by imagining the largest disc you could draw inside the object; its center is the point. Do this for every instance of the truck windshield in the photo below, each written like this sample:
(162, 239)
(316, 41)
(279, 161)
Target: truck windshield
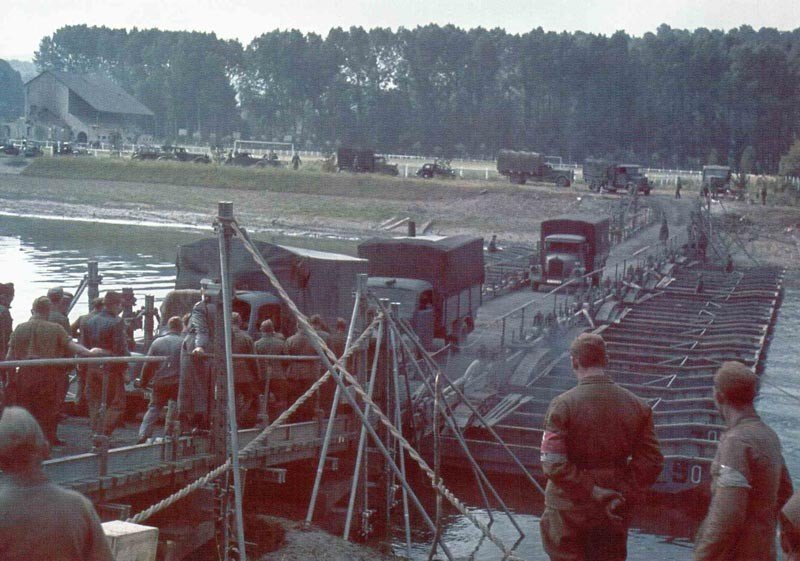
(408, 299)
(563, 247)
(721, 173)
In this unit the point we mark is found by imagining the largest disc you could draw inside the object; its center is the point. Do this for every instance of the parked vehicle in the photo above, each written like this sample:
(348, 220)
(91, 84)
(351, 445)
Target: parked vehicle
(246, 159)
(571, 246)
(363, 161)
(718, 179)
(602, 175)
(146, 153)
(179, 153)
(439, 168)
(10, 150)
(519, 167)
(437, 281)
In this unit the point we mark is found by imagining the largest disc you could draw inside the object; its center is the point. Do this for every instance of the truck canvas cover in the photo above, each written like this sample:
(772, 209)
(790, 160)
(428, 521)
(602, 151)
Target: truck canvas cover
(520, 162)
(449, 264)
(317, 281)
(593, 228)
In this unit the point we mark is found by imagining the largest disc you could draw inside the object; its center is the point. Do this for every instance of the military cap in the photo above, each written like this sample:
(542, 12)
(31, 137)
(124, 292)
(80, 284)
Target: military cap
(55, 293)
(112, 298)
(42, 305)
(736, 382)
(267, 326)
(21, 438)
(589, 350)
(7, 289)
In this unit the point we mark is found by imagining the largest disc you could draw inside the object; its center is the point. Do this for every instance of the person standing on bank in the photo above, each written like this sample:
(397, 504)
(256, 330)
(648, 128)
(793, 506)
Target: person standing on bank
(749, 480)
(599, 453)
(40, 520)
(164, 375)
(106, 331)
(39, 388)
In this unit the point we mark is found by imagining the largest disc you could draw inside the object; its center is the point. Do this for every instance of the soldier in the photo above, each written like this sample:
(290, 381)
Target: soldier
(599, 453)
(678, 187)
(195, 381)
(164, 375)
(56, 296)
(296, 161)
(77, 327)
(729, 264)
(39, 388)
(39, 519)
(106, 331)
(272, 371)
(763, 195)
(6, 322)
(301, 375)
(663, 234)
(790, 529)
(700, 284)
(339, 337)
(750, 482)
(245, 372)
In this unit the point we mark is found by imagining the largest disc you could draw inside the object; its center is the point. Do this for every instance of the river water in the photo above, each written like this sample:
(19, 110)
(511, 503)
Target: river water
(38, 253)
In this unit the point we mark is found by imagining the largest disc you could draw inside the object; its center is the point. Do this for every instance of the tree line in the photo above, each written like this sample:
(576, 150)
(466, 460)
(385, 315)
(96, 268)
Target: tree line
(669, 98)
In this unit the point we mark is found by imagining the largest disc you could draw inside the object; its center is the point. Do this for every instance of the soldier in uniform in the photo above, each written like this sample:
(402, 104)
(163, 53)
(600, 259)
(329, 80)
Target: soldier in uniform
(39, 519)
(272, 371)
(6, 322)
(76, 328)
(301, 375)
(339, 337)
(195, 380)
(750, 483)
(599, 453)
(39, 388)
(245, 372)
(164, 375)
(106, 331)
(790, 529)
(56, 296)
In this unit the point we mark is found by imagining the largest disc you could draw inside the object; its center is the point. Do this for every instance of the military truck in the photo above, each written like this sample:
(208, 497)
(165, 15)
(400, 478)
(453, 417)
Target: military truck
(318, 282)
(571, 246)
(519, 167)
(718, 179)
(437, 281)
(602, 175)
(363, 161)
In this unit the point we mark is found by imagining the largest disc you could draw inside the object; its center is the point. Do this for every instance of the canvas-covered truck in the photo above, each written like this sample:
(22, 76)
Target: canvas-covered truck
(437, 281)
(317, 281)
(519, 167)
(571, 246)
(602, 175)
(356, 160)
(718, 179)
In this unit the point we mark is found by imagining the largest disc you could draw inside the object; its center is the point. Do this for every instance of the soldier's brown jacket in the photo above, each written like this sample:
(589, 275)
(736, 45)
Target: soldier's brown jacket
(750, 484)
(598, 433)
(271, 344)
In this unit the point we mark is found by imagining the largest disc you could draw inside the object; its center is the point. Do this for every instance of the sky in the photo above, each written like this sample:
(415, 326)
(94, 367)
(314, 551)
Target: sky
(24, 23)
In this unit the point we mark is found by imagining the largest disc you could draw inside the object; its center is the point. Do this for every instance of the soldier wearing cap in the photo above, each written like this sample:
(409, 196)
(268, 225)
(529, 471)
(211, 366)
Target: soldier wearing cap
(39, 389)
(272, 371)
(599, 453)
(56, 296)
(750, 482)
(245, 372)
(194, 390)
(6, 323)
(76, 328)
(106, 331)
(38, 519)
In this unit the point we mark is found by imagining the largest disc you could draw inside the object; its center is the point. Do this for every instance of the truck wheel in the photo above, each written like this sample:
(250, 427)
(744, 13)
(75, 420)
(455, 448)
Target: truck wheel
(562, 181)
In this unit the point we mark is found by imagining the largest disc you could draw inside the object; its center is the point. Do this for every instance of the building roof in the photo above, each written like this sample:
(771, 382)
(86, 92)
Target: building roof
(99, 92)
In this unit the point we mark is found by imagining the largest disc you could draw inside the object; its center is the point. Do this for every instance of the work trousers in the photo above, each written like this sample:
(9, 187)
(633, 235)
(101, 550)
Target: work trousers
(161, 395)
(583, 535)
(115, 399)
(39, 390)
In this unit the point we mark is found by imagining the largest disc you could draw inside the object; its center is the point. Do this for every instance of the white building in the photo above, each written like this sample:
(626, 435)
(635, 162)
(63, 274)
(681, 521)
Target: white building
(83, 108)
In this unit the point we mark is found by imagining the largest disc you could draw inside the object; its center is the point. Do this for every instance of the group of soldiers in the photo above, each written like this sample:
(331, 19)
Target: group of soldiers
(41, 388)
(600, 454)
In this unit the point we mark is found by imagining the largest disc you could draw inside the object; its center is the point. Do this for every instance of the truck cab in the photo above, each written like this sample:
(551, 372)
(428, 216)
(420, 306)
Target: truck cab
(565, 257)
(717, 179)
(416, 303)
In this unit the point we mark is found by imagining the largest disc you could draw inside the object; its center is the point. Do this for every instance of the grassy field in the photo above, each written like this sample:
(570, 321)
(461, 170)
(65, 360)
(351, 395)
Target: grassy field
(253, 179)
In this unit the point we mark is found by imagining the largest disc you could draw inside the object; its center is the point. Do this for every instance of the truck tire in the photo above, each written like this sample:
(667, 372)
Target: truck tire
(562, 181)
